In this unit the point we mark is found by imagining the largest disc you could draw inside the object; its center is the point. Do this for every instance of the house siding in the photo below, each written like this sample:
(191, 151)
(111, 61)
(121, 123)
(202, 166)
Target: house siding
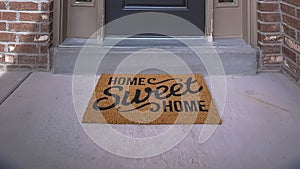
(26, 34)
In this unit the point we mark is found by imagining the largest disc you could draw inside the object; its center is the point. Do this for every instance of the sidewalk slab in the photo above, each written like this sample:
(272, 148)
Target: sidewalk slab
(9, 81)
(40, 129)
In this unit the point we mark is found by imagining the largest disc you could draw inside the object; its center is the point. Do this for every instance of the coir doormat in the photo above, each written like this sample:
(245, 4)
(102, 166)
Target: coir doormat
(151, 99)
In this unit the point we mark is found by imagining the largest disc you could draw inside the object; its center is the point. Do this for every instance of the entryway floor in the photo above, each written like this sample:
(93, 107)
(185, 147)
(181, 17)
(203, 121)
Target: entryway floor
(39, 129)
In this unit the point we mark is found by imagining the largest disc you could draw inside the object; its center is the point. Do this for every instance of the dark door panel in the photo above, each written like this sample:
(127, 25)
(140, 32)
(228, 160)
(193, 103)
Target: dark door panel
(190, 10)
(155, 3)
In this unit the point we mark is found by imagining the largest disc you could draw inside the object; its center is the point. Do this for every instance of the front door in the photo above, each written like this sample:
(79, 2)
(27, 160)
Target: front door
(191, 10)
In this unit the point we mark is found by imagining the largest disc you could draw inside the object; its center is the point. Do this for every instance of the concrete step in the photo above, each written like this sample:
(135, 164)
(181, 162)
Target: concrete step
(237, 57)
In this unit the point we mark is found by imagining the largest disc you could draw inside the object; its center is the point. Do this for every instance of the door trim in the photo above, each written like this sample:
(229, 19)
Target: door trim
(60, 17)
(209, 20)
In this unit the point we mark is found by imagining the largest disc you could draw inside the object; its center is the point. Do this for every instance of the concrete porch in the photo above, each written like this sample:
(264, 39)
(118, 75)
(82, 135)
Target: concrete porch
(39, 128)
(237, 57)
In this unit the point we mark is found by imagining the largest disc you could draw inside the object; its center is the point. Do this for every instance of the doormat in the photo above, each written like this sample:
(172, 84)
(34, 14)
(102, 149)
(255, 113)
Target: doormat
(151, 99)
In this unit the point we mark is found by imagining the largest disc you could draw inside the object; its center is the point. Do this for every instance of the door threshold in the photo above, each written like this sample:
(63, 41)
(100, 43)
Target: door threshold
(141, 37)
(155, 41)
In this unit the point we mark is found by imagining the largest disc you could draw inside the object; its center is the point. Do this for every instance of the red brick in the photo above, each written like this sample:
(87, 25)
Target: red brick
(2, 5)
(44, 49)
(22, 48)
(288, 9)
(37, 34)
(42, 67)
(2, 47)
(9, 16)
(269, 38)
(23, 6)
(47, 27)
(37, 17)
(47, 6)
(2, 26)
(289, 31)
(268, 7)
(292, 67)
(33, 38)
(42, 60)
(2, 58)
(287, 72)
(292, 44)
(289, 53)
(23, 27)
(272, 59)
(269, 27)
(22, 59)
(291, 21)
(7, 37)
(270, 49)
(269, 17)
(293, 2)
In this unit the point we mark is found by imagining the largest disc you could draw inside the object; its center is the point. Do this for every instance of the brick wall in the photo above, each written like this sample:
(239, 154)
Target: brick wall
(25, 34)
(269, 35)
(279, 36)
(291, 40)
